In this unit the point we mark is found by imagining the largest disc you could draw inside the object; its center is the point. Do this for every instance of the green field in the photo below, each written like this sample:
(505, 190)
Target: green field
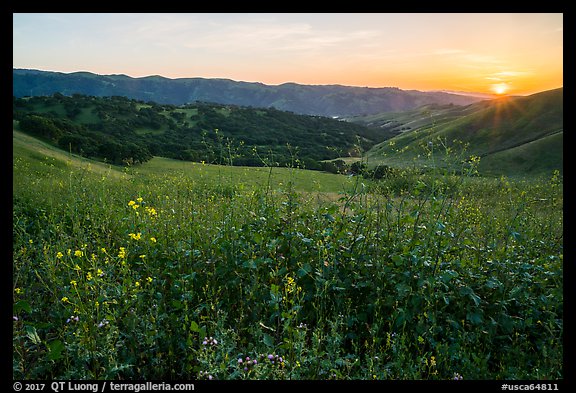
(186, 271)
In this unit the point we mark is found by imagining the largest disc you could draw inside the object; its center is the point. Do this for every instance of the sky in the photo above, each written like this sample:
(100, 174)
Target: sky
(505, 53)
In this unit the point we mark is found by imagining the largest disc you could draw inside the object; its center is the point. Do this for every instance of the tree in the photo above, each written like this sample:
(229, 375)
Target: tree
(40, 126)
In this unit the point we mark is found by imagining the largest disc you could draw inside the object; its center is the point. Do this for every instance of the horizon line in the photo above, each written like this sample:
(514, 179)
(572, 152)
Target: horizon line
(447, 91)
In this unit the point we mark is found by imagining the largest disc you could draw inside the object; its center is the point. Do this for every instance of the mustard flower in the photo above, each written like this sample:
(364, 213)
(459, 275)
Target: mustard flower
(59, 255)
(151, 211)
(78, 253)
(136, 236)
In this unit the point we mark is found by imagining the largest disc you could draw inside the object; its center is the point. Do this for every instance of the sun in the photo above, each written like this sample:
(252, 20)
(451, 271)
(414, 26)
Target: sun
(500, 88)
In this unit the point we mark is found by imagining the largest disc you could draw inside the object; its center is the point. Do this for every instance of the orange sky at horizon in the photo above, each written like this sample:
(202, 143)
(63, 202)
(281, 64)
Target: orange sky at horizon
(519, 53)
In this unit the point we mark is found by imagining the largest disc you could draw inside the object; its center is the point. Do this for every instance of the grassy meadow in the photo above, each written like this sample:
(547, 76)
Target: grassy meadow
(179, 270)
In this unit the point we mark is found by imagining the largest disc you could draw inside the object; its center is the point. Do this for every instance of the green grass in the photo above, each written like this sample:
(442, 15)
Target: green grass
(276, 178)
(174, 270)
(514, 136)
(30, 149)
(549, 151)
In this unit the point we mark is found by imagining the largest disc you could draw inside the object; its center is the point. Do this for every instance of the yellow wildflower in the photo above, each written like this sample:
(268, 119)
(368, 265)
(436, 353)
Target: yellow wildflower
(18, 291)
(131, 203)
(290, 284)
(137, 284)
(88, 276)
(151, 211)
(64, 299)
(139, 199)
(77, 268)
(149, 279)
(122, 253)
(59, 255)
(153, 239)
(135, 236)
(78, 253)
(432, 361)
(73, 282)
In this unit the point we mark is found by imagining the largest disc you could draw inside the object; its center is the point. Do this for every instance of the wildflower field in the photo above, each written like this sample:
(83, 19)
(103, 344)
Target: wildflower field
(186, 271)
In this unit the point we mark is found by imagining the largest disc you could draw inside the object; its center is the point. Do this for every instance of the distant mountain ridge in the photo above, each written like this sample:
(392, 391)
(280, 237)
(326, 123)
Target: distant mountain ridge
(323, 100)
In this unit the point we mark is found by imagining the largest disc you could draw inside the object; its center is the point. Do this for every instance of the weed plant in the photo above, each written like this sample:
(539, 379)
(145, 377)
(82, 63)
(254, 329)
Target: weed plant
(421, 275)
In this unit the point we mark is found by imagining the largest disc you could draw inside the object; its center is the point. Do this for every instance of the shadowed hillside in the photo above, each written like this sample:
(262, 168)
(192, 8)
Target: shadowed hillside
(324, 100)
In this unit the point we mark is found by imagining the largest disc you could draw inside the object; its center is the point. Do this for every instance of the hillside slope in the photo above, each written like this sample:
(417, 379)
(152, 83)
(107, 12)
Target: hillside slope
(324, 100)
(510, 135)
(121, 130)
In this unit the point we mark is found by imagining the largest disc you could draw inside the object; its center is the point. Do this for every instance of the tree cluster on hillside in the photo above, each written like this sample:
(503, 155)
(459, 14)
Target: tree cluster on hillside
(121, 131)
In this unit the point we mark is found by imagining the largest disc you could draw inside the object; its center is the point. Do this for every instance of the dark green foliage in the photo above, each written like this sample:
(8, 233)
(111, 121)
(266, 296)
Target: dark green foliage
(121, 130)
(41, 126)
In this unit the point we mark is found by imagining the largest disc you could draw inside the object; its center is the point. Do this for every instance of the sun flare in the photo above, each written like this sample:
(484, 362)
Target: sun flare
(500, 88)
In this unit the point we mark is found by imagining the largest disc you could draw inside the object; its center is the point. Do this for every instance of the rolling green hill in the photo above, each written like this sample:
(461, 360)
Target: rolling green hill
(511, 135)
(44, 157)
(121, 130)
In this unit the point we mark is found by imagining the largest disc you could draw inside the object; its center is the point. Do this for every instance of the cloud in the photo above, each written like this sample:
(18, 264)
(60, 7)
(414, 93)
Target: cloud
(236, 34)
(506, 75)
